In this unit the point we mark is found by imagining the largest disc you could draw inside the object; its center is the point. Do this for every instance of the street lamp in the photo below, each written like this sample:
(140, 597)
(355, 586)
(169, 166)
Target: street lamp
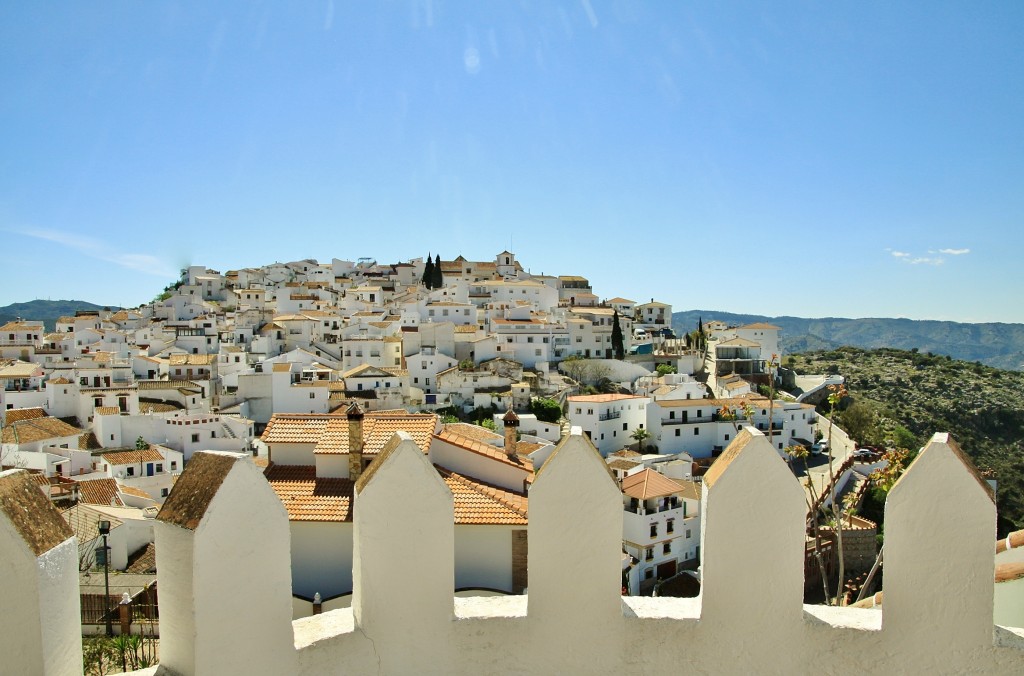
(103, 556)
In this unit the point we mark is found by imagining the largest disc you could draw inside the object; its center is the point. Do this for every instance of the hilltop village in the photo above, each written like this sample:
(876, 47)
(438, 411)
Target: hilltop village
(310, 368)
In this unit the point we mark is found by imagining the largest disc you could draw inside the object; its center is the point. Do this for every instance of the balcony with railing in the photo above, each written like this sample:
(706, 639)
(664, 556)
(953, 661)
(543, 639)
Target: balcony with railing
(609, 415)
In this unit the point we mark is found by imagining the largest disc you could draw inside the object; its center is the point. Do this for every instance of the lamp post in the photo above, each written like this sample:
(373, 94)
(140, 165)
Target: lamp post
(103, 553)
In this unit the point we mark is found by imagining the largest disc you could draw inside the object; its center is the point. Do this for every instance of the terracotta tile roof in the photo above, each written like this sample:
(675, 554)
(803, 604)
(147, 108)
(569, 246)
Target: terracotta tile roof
(466, 328)
(60, 381)
(100, 492)
(649, 484)
(329, 432)
(89, 442)
(38, 429)
(480, 448)
(623, 464)
(133, 457)
(16, 414)
(136, 492)
(308, 498)
(472, 432)
(107, 410)
(191, 359)
(167, 385)
(480, 503)
(625, 453)
(761, 325)
(157, 407)
(690, 489)
(143, 561)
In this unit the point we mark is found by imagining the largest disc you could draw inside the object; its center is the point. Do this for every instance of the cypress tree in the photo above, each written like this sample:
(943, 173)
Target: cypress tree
(617, 344)
(437, 281)
(428, 273)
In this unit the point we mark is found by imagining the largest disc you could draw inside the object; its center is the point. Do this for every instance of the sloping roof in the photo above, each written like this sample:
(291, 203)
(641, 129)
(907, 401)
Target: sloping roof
(133, 457)
(649, 484)
(481, 503)
(738, 342)
(192, 359)
(143, 561)
(38, 429)
(329, 432)
(480, 448)
(761, 325)
(16, 414)
(30, 513)
(472, 431)
(100, 492)
(309, 498)
(194, 490)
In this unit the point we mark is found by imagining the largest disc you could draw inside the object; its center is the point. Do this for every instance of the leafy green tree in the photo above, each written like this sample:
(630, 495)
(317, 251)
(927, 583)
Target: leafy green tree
(618, 346)
(546, 410)
(665, 369)
(141, 444)
(428, 273)
(437, 281)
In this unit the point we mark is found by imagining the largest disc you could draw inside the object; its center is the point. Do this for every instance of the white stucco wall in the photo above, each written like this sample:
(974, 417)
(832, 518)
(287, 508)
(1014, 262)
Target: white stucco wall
(483, 556)
(321, 556)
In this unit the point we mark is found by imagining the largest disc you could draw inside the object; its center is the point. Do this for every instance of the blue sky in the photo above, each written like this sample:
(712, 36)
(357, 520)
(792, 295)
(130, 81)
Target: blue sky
(810, 159)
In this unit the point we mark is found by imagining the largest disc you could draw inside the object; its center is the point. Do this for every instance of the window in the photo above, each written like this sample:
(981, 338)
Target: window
(696, 431)
(654, 530)
(163, 492)
(687, 533)
(625, 426)
(677, 432)
(671, 415)
(195, 438)
(666, 548)
(727, 437)
(649, 573)
(670, 526)
(312, 395)
(159, 467)
(130, 471)
(536, 352)
(174, 465)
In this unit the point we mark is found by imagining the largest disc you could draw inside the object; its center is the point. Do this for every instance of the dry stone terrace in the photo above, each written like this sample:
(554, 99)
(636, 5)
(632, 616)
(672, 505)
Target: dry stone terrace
(213, 563)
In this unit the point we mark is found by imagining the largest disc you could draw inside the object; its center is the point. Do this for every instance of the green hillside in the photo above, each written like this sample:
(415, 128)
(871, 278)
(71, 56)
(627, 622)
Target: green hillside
(46, 310)
(996, 344)
(893, 392)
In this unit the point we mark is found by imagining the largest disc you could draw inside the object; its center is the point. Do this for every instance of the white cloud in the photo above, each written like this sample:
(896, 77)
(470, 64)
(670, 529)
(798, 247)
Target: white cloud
(925, 260)
(139, 262)
(900, 254)
(955, 252)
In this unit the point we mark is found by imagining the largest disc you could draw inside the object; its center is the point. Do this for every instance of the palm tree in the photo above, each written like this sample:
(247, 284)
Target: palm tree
(640, 435)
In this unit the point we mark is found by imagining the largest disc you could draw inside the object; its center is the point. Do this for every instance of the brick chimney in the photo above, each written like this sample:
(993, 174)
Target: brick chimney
(355, 441)
(511, 421)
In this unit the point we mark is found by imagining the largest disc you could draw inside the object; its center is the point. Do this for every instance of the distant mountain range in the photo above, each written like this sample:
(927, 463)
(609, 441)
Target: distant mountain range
(995, 344)
(49, 311)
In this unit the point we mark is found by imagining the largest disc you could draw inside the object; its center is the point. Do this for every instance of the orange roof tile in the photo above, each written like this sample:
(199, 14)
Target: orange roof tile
(486, 450)
(37, 429)
(132, 457)
(309, 498)
(100, 492)
(480, 503)
(329, 432)
(16, 414)
(649, 484)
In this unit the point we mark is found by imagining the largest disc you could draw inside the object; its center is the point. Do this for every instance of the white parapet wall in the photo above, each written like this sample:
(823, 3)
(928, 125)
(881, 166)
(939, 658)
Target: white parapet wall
(223, 548)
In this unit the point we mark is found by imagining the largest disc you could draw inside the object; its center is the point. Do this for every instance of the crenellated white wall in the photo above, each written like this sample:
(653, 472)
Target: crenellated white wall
(226, 604)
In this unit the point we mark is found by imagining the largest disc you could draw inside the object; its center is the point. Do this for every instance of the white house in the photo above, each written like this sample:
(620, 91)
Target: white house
(608, 420)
